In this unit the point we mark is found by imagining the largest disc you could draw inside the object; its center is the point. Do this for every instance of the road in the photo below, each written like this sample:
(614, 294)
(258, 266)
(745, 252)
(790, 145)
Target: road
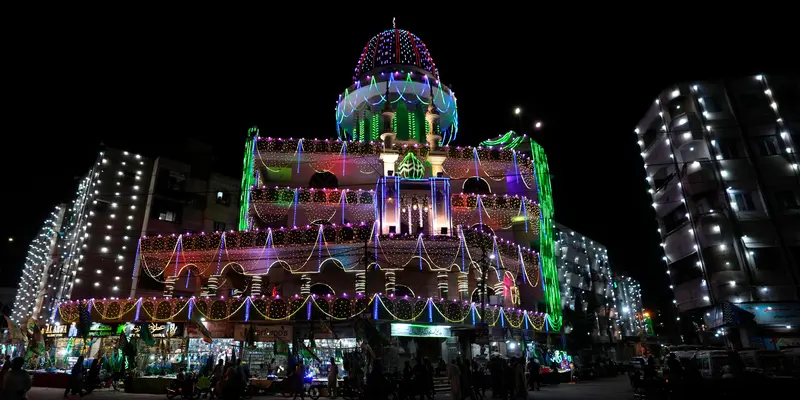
(603, 389)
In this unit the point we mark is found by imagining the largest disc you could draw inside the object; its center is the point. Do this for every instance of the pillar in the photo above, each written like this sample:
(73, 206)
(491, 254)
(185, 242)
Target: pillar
(463, 286)
(441, 284)
(256, 285)
(361, 282)
(213, 282)
(169, 286)
(390, 282)
(305, 285)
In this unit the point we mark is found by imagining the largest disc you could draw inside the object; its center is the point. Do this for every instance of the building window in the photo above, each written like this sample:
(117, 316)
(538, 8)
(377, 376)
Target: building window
(729, 149)
(223, 197)
(766, 258)
(128, 178)
(768, 146)
(711, 105)
(744, 201)
(168, 216)
(219, 226)
(787, 199)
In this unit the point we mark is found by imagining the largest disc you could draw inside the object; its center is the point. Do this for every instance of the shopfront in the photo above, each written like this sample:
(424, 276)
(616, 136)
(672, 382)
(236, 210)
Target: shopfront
(431, 341)
(166, 356)
(64, 346)
(268, 354)
(222, 346)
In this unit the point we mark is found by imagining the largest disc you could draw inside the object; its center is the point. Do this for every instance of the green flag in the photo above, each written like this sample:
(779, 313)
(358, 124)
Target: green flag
(146, 335)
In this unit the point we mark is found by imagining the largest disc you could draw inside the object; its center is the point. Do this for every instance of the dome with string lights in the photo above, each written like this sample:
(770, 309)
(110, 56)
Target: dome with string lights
(395, 47)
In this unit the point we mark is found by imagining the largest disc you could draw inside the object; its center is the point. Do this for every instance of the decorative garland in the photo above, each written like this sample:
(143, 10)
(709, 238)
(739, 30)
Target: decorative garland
(297, 308)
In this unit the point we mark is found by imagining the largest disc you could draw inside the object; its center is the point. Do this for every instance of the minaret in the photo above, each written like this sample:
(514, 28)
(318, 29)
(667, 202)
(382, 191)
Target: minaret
(432, 117)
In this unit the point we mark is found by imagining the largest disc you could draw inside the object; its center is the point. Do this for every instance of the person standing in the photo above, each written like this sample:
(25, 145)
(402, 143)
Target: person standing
(299, 380)
(533, 370)
(17, 382)
(333, 376)
(519, 377)
(454, 377)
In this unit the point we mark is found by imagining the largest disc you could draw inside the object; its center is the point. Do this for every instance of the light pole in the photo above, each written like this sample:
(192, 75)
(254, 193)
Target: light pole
(518, 113)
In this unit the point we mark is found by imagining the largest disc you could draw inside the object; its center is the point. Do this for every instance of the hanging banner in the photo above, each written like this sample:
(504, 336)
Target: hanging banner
(158, 330)
(264, 333)
(217, 329)
(412, 330)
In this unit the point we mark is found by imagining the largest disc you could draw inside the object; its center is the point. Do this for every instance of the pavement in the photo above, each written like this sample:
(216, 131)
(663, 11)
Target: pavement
(617, 388)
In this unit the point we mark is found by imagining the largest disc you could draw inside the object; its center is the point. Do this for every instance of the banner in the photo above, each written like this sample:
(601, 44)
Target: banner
(265, 333)
(217, 329)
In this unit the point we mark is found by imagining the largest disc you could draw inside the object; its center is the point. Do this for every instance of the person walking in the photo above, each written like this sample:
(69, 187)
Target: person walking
(17, 382)
(76, 379)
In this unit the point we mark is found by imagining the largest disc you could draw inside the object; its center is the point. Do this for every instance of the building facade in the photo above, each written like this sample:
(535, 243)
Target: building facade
(611, 301)
(721, 160)
(89, 248)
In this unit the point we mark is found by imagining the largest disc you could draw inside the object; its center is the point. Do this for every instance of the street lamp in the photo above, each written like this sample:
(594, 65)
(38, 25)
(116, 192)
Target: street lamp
(538, 124)
(517, 111)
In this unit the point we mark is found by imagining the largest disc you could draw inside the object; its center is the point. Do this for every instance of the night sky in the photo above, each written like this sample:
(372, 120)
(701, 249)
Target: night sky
(149, 87)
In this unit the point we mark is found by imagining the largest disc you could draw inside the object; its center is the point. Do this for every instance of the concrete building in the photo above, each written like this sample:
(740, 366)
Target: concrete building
(88, 249)
(721, 160)
(393, 176)
(613, 301)
(32, 290)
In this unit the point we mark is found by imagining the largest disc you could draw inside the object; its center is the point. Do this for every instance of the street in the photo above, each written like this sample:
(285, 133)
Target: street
(601, 389)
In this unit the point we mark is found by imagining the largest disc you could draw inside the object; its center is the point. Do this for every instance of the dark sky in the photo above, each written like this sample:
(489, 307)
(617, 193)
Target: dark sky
(148, 86)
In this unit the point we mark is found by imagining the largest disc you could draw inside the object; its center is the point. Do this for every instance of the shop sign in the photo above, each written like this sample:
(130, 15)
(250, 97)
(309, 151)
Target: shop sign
(158, 330)
(787, 314)
(55, 330)
(264, 333)
(217, 329)
(101, 330)
(411, 330)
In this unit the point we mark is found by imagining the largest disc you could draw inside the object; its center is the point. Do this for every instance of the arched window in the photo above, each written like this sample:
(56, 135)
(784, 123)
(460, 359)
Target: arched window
(323, 180)
(476, 297)
(321, 289)
(403, 290)
(483, 228)
(476, 185)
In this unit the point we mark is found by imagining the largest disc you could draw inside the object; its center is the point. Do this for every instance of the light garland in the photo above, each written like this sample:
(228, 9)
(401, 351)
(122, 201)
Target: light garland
(276, 308)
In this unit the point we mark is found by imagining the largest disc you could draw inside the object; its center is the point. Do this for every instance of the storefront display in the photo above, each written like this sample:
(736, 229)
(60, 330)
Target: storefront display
(325, 349)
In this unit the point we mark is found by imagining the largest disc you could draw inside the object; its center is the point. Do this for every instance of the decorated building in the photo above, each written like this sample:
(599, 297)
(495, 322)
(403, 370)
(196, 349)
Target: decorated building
(589, 286)
(390, 220)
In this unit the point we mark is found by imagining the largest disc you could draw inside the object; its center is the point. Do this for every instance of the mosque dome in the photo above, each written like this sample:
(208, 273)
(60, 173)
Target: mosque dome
(395, 47)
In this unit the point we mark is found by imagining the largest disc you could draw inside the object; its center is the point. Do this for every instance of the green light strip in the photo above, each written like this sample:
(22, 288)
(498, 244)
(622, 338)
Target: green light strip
(547, 247)
(501, 140)
(248, 179)
(509, 141)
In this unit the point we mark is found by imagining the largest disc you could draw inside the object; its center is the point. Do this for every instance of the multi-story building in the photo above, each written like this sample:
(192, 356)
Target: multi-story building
(89, 248)
(611, 301)
(389, 221)
(31, 292)
(721, 160)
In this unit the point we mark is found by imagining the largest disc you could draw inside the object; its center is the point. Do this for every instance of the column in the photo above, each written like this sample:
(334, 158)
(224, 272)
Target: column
(390, 282)
(361, 282)
(256, 285)
(305, 285)
(463, 286)
(441, 284)
(213, 281)
(169, 286)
